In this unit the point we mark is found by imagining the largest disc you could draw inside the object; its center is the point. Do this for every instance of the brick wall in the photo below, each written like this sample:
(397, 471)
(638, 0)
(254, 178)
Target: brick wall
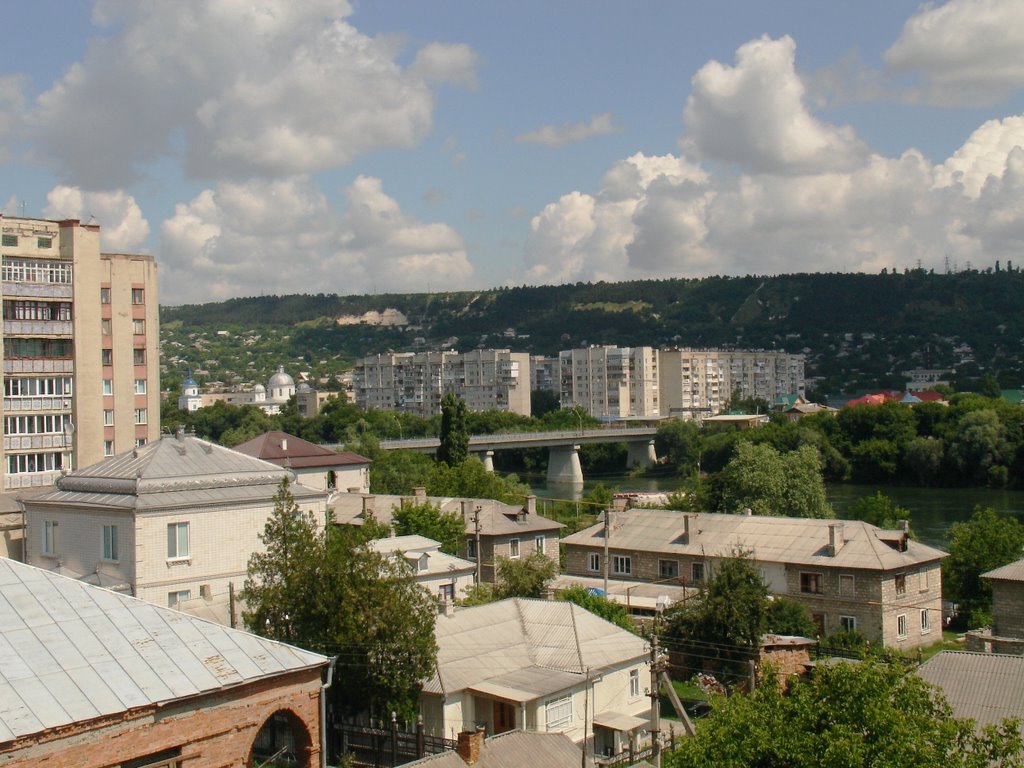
(1007, 608)
(212, 731)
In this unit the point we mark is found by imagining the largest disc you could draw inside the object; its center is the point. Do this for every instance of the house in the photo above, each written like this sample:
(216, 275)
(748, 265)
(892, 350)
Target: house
(985, 687)
(444, 576)
(538, 665)
(313, 465)
(545, 750)
(798, 411)
(850, 574)
(92, 678)
(1006, 635)
(173, 522)
(494, 530)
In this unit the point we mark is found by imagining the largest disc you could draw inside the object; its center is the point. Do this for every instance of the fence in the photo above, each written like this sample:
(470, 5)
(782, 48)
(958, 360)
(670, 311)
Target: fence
(385, 747)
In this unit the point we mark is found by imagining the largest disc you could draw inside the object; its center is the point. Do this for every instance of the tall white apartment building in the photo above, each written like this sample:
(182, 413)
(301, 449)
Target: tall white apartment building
(610, 382)
(699, 382)
(80, 355)
(415, 382)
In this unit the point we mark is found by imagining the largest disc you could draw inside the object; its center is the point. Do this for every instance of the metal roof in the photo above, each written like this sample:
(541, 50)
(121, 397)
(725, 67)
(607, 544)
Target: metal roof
(70, 652)
(279, 447)
(985, 687)
(514, 749)
(1011, 572)
(794, 540)
(507, 641)
(413, 547)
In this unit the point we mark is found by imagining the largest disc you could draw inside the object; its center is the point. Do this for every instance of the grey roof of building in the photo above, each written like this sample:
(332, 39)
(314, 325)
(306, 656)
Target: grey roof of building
(172, 472)
(413, 547)
(985, 687)
(71, 652)
(1011, 572)
(514, 749)
(531, 647)
(794, 540)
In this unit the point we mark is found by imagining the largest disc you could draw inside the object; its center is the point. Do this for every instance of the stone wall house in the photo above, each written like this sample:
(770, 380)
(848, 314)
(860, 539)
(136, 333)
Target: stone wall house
(1006, 635)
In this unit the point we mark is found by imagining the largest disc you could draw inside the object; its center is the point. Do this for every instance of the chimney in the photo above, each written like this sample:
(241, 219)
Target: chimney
(284, 444)
(748, 512)
(179, 432)
(470, 744)
(466, 505)
(686, 529)
(367, 505)
(835, 538)
(419, 492)
(531, 505)
(445, 607)
(904, 527)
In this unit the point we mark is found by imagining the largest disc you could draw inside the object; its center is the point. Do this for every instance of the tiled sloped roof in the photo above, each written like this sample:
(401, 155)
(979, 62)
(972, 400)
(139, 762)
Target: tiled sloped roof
(985, 687)
(71, 652)
(1011, 572)
(515, 749)
(795, 540)
(279, 447)
(503, 641)
(496, 518)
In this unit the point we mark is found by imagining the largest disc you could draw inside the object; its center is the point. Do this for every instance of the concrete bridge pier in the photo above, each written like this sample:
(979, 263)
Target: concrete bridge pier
(564, 464)
(487, 459)
(641, 453)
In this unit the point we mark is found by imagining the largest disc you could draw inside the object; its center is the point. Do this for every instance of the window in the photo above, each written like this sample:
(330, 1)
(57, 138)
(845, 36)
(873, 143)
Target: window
(558, 713)
(36, 271)
(697, 573)
(924, 581)
(50, 537)
(594, 562)
(104, 295)
(138, 296)
(32, 348)
(105, 327)
(901, 584)
(901, 625)
(811, 583)
(26, 463)
(446, 592)
(107, 357)
(20, 388)
(39, 424)
(139, 356)
(848, 623)
(10, 241)
(634, 683)
(471, 549)
(108, 447)
(44, 242)
(176, 598)
(846, 585)
(141, 415)
(622, 564)
(538, 544)
(110, 542)
(36, 310)
(139, 327)
(139, 442)
(108, 386)
(177, 540)
(108, 418)
(513, 547)
(925, 625)
(668, 569)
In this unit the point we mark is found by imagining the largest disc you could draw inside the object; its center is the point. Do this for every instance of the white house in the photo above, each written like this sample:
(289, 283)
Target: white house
(313, 465)
(444, 576)
(538, 665)
(173, 522)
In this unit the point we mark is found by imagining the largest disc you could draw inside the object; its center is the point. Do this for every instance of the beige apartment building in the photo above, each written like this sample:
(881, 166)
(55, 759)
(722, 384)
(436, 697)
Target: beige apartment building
(610, 382)
(80, 354)
(699, 382)
(415, 382)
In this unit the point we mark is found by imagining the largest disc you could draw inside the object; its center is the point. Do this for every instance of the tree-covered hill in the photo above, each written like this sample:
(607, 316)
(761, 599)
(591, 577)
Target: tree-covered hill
(857, 330)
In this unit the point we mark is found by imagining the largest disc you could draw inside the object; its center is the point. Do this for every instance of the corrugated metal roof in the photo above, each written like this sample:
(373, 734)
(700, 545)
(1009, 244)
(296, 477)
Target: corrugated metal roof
(505, 641)
(797, 540)
(70, 651)
(515, 749)
(1010, 572)
(496, 518)
(985, 687)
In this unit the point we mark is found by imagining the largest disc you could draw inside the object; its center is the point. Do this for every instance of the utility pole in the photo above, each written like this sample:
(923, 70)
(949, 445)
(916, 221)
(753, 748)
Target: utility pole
(607, 532)
(657, 665)
(476, 545)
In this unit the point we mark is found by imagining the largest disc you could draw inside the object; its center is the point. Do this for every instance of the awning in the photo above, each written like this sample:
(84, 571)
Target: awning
(617, 721)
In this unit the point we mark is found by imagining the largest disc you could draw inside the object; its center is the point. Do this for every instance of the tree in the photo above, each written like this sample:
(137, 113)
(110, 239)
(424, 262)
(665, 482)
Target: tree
(524, 576)
(984, 542)
(879, 510)
(454, 448)
(847, 716)
(326, 590)
(721, 629)
(979, 447)
(677, 442)
(543, 401)
(761, 479)
(428, 520)
(599, 606)
(788, 617)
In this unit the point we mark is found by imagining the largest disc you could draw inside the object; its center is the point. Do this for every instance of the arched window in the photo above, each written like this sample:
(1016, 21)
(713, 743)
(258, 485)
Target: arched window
(283, 740)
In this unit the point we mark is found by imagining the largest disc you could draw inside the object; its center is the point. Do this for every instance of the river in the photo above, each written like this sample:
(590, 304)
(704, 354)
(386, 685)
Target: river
(933, 511)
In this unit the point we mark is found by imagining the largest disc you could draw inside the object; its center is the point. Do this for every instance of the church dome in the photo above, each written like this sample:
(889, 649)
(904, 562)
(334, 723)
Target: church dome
(303, 387)
(189, 383)
(259, 388)
(280, 380)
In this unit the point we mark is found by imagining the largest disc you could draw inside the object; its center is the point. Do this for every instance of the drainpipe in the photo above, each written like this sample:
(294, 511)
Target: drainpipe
(323, 711)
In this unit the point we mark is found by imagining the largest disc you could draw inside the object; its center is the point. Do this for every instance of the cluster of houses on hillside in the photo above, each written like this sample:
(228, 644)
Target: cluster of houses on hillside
(120, 639)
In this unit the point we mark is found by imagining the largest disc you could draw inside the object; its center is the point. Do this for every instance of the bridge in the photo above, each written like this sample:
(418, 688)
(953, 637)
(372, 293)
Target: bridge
(563, 447)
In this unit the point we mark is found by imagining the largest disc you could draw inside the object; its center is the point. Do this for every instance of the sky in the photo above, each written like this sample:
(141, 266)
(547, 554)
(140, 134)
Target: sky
(260, 147)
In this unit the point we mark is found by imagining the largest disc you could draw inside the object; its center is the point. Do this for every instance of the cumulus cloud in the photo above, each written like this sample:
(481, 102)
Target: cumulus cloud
(272, 88)
(832, 207)
(282, 236)
(755, 116)
(12, 106)
(122, 226)
(969, 51)
(557, 136)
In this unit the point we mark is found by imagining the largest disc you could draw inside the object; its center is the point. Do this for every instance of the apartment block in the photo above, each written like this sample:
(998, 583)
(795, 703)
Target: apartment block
(610, 382)
(699, 382)
(415, 382)
(80, 350)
